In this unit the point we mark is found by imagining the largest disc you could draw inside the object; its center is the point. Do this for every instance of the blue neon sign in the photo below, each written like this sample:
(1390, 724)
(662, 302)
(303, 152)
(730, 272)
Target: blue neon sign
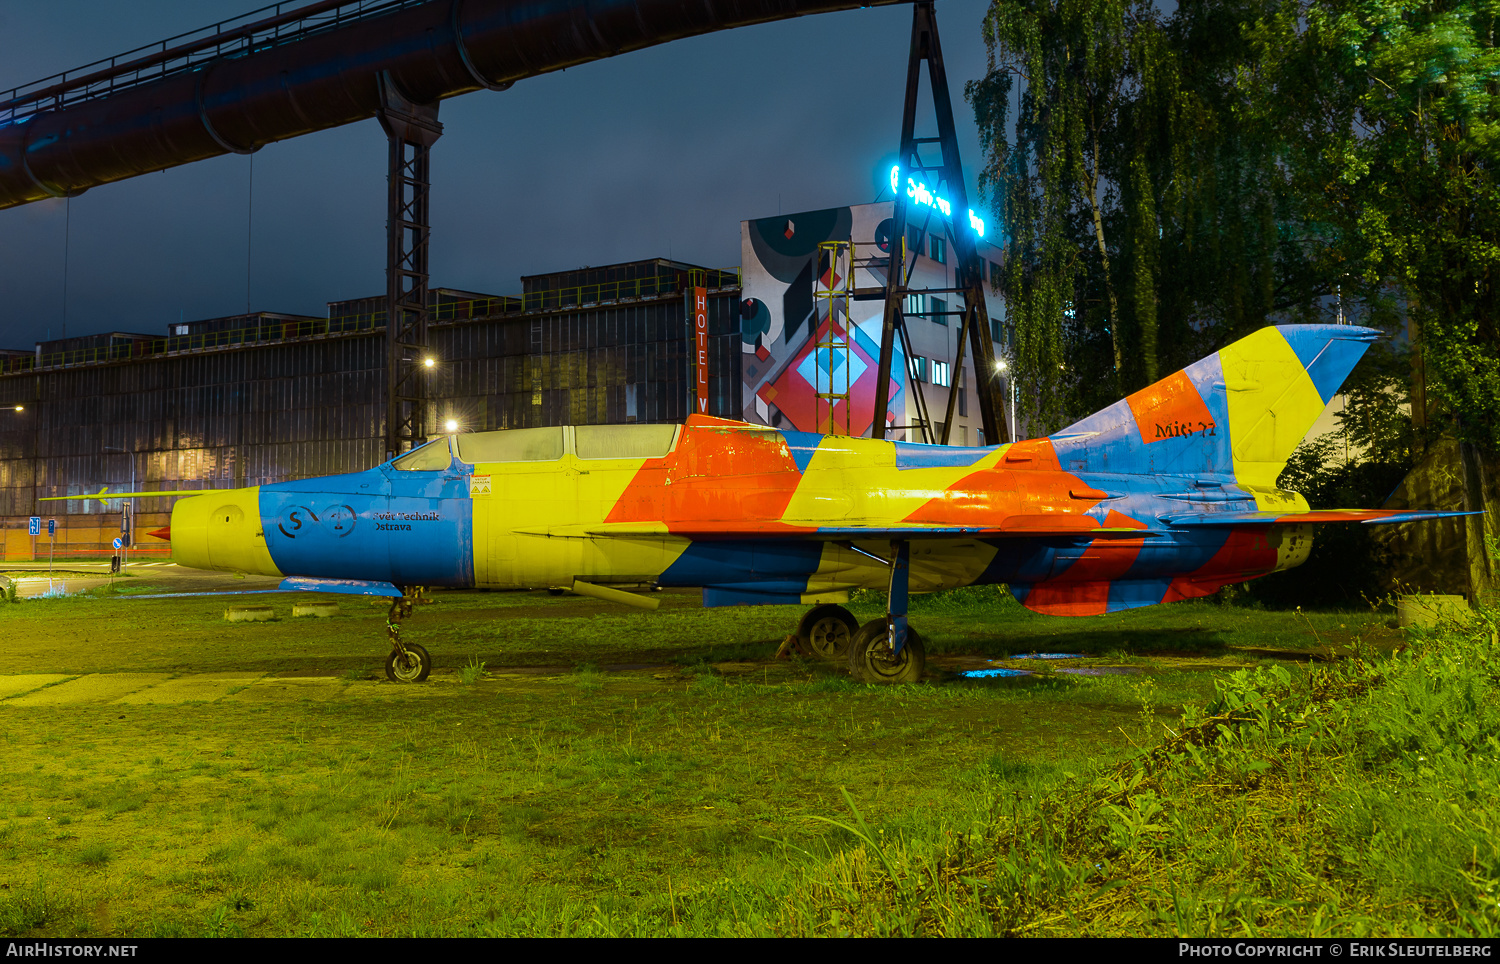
(919, 193)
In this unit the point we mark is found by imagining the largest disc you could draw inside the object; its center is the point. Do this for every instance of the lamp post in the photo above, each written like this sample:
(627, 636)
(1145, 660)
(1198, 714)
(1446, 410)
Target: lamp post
(1002, 369)
(126, 525)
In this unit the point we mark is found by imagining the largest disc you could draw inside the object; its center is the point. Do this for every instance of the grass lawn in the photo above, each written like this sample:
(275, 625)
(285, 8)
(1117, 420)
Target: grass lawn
(571, 768)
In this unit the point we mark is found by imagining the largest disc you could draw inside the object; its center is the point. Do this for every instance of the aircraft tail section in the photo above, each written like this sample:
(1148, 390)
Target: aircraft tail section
(1236, 415)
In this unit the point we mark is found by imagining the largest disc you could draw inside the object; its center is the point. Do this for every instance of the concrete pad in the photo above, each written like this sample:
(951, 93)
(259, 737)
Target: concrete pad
(32, 587)
(279, 688)
(12, 685)
(198, 688)
(94, 688)
(386, 690)
(321, 610)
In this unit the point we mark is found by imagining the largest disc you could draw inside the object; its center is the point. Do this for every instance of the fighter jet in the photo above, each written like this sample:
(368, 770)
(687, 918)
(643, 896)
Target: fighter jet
(1168, 494)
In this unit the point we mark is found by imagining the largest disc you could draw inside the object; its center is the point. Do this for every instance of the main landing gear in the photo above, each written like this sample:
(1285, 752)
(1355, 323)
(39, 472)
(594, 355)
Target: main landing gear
(884, 650)
(827, 631)
(407, 662)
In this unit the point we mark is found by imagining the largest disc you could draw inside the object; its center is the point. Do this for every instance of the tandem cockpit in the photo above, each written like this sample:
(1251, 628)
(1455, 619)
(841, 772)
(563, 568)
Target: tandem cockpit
(551, 444)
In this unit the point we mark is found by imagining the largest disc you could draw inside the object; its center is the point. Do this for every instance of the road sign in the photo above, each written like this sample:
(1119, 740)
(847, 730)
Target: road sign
(36, 525)
(118, 543)
(51, 527)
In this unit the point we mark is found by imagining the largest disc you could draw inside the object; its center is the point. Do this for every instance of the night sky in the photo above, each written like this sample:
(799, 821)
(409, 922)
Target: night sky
(658, 153)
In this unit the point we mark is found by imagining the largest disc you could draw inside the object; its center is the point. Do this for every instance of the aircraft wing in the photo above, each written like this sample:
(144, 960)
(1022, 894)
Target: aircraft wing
(1055, 524)
(1366, 516)
(103, 495)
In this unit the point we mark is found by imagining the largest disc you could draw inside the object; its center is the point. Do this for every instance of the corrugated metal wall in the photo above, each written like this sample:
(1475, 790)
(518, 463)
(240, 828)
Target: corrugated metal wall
(270, 412)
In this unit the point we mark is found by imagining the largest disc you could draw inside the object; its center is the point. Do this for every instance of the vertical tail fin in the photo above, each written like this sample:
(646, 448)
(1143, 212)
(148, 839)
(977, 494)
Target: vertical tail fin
(1236, 415)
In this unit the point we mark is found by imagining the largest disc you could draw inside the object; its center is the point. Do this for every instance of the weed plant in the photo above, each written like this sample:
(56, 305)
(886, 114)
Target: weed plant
(1358, 799)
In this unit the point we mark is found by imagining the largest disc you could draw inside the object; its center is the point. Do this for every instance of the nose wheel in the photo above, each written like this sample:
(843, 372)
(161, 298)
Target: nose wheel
(407, 662)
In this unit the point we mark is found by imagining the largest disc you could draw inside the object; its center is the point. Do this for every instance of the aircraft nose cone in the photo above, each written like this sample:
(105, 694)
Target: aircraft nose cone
(165, 532)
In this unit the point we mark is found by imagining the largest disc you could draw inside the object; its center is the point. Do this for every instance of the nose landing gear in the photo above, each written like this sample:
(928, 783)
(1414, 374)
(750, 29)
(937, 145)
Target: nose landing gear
(407, 662)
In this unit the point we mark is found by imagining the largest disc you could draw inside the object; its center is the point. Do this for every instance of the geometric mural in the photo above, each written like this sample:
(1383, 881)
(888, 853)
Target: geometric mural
(781, 322)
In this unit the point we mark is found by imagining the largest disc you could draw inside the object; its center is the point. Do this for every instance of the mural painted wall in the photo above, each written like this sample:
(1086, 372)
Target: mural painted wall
(786, 315)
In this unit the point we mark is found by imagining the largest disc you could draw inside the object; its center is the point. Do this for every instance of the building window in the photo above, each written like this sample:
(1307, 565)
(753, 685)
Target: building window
(939, 311)
(913, 241)
(941, 373)
(963, 393)
(919, 368)
(937, 249)
(916, 304)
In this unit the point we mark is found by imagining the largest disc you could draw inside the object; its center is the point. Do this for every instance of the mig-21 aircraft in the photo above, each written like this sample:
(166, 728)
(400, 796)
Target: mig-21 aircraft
(1168, 494)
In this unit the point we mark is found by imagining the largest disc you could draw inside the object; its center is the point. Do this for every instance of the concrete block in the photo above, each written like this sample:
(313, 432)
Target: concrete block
(320, 610)
(249, 614)
(1432, 610)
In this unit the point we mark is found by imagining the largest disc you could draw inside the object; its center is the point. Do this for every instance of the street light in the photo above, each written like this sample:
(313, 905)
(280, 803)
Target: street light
(125, 506)
(450, 426)
(1010, 395)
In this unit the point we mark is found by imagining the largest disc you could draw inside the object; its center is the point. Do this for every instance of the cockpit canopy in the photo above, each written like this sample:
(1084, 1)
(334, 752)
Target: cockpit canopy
(542, 445)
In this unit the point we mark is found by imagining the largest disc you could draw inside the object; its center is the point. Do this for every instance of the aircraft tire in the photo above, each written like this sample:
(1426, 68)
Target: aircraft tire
(828, 631)
(415, 670)
(869, 662)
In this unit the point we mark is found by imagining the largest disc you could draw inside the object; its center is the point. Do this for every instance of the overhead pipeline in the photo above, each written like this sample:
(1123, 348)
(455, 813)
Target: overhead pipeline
(432, 51)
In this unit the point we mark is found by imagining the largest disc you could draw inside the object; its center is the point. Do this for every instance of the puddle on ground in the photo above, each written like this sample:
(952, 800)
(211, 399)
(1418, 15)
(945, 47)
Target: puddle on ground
(1048, 656)
(1002, 672)
(993, 673)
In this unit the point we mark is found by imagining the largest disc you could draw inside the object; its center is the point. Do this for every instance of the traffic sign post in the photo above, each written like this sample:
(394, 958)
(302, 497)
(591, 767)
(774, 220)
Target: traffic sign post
(35, 529)
(51, 549)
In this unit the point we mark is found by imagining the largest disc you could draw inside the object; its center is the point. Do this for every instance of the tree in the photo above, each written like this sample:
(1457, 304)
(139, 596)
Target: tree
(1390, 113)
(1053, 188)
(1149, 217)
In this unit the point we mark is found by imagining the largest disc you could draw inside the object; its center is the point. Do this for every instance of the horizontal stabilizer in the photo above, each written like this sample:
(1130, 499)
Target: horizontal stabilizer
(1366, 516)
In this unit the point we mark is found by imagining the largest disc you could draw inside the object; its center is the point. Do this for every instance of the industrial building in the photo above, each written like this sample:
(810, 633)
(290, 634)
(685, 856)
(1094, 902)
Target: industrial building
(264, 397)
(258, 398)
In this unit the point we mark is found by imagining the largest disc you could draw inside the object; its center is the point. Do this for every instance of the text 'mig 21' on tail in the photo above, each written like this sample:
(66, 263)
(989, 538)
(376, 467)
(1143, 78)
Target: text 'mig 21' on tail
(1193, 461)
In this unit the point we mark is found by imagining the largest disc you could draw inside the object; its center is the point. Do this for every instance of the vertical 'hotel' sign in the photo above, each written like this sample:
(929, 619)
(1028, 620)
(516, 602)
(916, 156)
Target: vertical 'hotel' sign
(700, 347)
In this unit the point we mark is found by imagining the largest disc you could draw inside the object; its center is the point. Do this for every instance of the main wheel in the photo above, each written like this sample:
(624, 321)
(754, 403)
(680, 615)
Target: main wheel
(411, 668)
(871, 662)
(828, 630)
